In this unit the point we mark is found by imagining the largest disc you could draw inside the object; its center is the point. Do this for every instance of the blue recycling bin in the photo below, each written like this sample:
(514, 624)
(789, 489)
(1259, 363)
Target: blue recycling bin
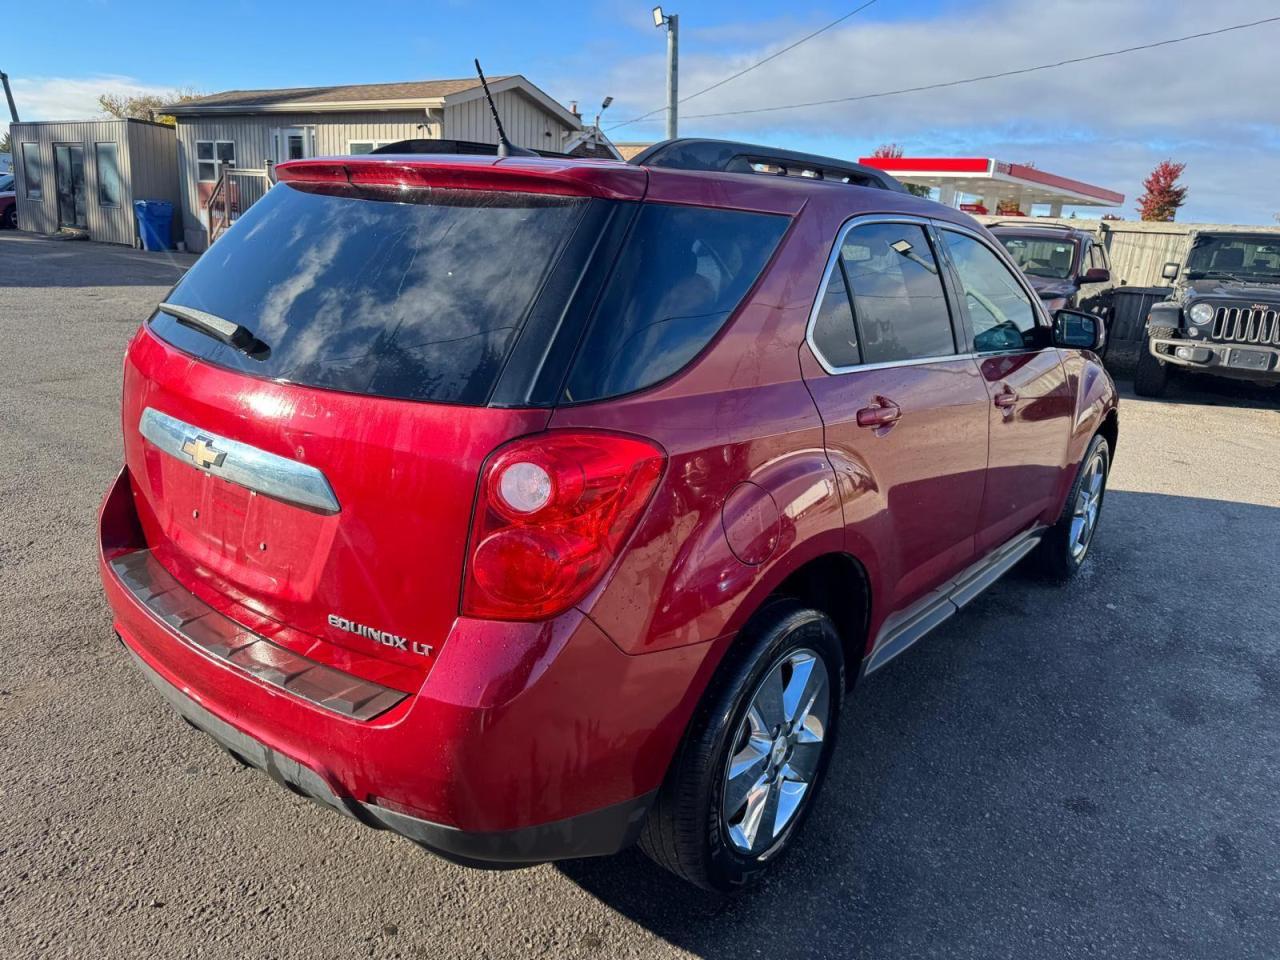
(155, 223)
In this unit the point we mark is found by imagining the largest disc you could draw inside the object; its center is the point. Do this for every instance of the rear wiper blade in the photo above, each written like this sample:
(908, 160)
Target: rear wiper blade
(225, 331)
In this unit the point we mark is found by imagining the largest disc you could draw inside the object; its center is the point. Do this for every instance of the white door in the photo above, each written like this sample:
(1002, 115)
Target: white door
(294, 143)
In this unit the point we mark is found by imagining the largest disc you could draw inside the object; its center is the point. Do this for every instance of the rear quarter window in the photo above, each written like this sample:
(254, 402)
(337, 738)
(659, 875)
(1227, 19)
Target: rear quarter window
(681, 273)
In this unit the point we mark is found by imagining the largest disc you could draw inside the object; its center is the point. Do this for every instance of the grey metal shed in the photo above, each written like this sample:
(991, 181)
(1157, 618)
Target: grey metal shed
(84, 175)
(229, 142)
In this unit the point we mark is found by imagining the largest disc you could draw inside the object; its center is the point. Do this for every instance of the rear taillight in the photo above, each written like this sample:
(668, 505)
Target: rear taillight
(553, 511)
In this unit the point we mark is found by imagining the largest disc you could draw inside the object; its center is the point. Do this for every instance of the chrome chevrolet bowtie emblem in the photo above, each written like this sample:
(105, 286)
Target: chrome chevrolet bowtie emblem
(201, 452)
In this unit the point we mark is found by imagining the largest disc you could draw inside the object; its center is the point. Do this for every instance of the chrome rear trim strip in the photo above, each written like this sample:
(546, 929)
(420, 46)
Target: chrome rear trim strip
(239, 463)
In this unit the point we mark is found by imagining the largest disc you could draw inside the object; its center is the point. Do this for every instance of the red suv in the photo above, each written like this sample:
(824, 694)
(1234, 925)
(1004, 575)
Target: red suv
(529, 507)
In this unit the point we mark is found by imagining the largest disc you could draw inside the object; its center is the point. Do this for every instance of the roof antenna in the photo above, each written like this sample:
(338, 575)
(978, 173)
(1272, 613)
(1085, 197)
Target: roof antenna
(505, 147)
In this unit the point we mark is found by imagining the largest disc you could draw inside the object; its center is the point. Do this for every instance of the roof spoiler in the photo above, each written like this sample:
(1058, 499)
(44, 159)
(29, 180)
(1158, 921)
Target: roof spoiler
(730, 156)
(610, 181)
(465, 147)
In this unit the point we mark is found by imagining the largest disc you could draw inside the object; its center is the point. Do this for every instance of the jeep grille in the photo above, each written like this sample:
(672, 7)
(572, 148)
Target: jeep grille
(1247, 325)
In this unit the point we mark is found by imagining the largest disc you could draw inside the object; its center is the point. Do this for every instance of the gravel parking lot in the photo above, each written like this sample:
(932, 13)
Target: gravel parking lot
(1083, 772)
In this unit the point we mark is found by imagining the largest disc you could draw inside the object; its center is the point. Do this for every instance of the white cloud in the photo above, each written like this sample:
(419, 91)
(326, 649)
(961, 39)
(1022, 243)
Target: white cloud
(1209, 102)
(74, 98)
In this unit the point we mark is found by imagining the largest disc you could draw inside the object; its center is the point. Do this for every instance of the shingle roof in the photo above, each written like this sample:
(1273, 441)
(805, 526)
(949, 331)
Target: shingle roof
(351, 93)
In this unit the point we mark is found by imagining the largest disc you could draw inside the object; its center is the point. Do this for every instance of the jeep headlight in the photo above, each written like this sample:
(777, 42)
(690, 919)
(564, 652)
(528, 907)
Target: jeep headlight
(1201, 314)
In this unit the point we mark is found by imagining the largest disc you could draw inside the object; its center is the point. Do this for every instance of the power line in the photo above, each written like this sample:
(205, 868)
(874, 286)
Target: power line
(988, 76)
(758, 63)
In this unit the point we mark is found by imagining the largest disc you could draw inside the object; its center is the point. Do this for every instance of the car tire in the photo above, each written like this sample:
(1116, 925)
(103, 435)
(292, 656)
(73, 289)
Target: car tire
(1062, 552)
(1151, 379)
(10, 219)
(689, 831)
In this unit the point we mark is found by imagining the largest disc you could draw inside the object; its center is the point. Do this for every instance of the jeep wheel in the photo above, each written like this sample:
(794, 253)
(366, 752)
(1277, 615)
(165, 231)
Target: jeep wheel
(1151, 379)
(755, 754)
(1063, 549)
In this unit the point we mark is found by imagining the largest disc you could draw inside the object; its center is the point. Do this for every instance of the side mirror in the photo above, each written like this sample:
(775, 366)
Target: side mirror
(1170, 271)
(1096, 275)
(1079, 331)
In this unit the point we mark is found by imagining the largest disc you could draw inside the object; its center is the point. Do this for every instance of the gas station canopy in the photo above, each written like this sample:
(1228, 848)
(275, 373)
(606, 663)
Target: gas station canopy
(990, 181)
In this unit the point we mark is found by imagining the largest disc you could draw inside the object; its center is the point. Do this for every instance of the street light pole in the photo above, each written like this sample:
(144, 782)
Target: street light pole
(673, 74)
(672, 22)
(8, 95)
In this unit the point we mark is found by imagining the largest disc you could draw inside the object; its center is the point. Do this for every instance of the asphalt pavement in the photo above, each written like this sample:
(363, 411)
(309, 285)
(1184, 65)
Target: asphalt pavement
(1088, 771)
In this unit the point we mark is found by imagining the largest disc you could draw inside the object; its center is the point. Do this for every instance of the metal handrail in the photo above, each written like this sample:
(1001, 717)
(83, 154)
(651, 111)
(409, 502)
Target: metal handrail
(211, 205)
(221, 195)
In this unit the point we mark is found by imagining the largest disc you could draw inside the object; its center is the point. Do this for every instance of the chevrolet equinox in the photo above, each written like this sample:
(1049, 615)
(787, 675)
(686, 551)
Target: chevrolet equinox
(533, 507)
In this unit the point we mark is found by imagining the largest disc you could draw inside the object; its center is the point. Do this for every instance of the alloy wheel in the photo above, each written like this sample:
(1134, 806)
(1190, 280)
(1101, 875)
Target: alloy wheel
(1084, 514)
(776, 752)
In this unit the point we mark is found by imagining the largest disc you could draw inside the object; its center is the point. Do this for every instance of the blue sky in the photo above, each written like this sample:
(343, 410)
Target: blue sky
(1107, 122)
(329, 42)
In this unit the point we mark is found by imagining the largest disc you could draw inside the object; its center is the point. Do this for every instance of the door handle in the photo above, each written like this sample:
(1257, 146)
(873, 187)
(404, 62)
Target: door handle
(1006, 398)
(881, 413)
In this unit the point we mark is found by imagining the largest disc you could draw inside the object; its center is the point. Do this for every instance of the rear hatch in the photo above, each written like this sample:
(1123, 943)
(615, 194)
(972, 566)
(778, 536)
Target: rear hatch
(317, 402)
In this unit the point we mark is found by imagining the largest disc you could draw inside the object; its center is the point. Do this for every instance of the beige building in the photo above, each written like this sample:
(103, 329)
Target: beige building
(244, 133)
(82, 176)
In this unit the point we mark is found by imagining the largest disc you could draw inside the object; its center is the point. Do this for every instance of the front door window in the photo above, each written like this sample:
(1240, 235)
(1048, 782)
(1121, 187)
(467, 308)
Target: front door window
(999, 308)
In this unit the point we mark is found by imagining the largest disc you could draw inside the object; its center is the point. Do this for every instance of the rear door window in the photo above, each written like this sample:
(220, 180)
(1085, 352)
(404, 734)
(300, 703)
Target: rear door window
(415, 294)
(999, 308)
(835, 335)
(898, 301)
(681, 273)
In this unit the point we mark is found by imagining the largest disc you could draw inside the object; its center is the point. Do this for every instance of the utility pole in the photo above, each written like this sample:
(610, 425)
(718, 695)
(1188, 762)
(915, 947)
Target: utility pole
(596, 132)
(672, 22)
(8, 95)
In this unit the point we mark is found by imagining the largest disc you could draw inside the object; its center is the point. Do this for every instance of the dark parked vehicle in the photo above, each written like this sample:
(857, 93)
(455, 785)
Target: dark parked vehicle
(1059, 261)
(8, 202)
(529, 507)
(1223, 317)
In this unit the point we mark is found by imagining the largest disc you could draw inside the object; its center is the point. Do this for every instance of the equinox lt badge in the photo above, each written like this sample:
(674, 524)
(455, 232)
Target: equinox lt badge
(381, 636)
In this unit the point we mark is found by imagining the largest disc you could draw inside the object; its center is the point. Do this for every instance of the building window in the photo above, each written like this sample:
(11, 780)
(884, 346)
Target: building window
(357, 147)
(110, 188)
(210, 155)
(31, 171)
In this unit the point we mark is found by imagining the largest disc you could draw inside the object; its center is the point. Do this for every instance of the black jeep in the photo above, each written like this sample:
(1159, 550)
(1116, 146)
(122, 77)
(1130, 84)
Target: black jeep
(1223, 316)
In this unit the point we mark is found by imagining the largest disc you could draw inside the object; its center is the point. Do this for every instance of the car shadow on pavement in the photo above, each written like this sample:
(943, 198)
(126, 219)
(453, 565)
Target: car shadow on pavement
(1092, 769)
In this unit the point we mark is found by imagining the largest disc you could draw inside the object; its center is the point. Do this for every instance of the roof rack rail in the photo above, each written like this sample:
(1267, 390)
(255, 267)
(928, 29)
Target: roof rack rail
(1031, 222)
(730, 156)
(465, 147)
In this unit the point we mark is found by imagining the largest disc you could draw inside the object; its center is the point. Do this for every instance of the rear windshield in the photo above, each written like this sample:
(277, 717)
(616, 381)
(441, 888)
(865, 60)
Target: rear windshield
(412, 294)
(681, 273)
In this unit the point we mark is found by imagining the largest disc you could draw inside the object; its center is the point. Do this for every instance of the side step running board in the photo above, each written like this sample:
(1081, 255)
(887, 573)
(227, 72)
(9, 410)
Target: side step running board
(904, 629)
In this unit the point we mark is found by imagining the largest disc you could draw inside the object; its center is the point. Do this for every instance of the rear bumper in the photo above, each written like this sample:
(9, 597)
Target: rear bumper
(591, 834)
(1241, 360)
(525, 742)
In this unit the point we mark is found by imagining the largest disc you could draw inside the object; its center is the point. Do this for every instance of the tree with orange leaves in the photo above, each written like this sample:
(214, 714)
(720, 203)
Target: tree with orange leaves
(1164, 194)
